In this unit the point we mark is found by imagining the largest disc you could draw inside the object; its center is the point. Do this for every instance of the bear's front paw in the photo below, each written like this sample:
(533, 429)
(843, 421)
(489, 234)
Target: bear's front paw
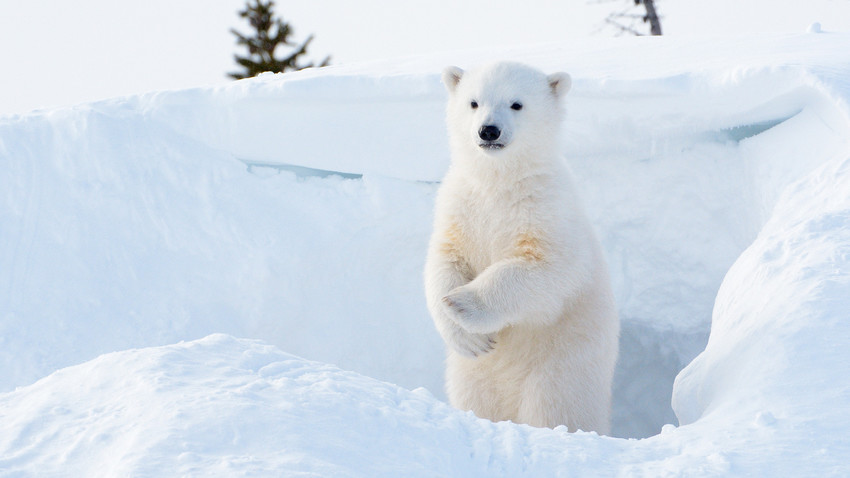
(466, 309)
(469, 344)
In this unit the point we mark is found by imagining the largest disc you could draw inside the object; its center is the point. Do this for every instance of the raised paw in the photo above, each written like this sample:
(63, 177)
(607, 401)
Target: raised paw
(469, 344)
(465, 308)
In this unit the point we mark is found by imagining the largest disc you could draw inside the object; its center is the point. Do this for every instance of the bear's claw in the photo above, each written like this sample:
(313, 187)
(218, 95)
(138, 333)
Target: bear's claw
(469, 344)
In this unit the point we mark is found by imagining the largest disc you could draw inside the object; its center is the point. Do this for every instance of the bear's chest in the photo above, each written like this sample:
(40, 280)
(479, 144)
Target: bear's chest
(493, 227)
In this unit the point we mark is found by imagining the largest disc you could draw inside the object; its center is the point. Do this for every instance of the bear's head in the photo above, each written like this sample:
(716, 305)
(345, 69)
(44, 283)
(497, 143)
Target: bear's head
(504, 109)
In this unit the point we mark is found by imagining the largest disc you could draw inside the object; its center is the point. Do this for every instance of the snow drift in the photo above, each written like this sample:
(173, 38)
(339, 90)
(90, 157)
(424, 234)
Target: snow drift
(296, 209)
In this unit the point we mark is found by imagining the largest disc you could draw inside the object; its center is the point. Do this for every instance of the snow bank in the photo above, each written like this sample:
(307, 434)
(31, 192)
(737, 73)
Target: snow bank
(780, 320)
(225, 407)
(296, 209)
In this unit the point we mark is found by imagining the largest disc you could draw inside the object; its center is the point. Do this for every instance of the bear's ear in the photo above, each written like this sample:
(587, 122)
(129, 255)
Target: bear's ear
(560, 83)
(451, 77)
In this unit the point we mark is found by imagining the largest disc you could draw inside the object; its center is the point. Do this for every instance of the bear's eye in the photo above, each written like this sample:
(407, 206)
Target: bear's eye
(474, 104)
(516, 106)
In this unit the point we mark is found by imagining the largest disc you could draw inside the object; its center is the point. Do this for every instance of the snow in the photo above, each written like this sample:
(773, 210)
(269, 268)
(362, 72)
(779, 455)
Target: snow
(162, 255)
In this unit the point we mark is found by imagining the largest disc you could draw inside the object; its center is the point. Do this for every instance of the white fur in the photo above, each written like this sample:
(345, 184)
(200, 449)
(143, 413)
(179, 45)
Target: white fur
(515, 278)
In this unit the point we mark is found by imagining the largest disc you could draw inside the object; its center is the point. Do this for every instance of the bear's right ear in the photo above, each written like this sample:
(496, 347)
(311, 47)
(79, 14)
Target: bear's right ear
(451, 77)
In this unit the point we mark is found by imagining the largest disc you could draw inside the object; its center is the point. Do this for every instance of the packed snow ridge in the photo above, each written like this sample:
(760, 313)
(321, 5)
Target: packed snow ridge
(139, 236)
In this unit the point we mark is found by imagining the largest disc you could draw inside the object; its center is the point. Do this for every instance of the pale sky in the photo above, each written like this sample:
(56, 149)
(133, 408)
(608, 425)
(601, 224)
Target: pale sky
(59, 53)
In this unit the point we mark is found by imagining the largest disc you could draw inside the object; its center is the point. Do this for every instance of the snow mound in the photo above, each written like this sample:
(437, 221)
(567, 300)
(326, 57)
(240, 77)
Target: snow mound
(220, 406)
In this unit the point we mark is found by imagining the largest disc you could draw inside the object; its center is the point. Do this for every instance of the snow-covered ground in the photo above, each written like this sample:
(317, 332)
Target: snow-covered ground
(295, 210)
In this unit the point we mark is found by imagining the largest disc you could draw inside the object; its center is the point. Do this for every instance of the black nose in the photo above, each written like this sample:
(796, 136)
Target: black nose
(489, 133)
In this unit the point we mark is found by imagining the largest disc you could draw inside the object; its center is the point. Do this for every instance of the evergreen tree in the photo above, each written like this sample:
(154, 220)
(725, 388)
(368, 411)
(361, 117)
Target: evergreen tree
(270, 32)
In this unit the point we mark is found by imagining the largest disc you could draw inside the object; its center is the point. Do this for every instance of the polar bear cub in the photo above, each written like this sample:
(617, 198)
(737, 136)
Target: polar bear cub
(515, 278)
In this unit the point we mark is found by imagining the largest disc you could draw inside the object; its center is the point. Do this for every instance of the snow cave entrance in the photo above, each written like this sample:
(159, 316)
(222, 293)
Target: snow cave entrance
(674, 207)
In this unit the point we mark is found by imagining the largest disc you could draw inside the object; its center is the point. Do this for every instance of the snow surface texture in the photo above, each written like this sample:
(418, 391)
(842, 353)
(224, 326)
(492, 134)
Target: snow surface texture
(296, 209)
